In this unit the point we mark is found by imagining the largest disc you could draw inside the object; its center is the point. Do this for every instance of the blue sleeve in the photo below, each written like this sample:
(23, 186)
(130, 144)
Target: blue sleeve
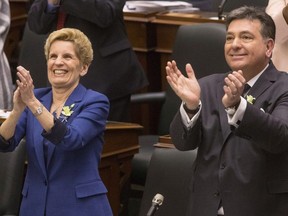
(57, 132)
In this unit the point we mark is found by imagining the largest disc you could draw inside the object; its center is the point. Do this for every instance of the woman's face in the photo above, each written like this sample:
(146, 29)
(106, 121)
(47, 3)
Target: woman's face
(64, 67)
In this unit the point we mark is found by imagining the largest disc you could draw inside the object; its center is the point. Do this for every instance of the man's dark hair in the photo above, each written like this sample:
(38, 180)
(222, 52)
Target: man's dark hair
(254, 13)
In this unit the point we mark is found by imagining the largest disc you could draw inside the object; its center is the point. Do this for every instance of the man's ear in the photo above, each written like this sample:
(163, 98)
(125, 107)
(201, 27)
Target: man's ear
(270, 45)
(84, 70)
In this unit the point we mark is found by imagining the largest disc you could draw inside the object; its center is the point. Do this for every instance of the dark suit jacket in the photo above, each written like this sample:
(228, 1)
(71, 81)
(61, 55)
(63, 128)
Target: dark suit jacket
(69, 182)
(247, 167)
(115, 70)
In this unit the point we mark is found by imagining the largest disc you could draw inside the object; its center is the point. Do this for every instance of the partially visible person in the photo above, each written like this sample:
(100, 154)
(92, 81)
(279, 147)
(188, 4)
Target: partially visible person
(115, 70)
(6, 85)
(203, 5)
(241, 134)
(285, 13)
(280, 52)
(63, 126)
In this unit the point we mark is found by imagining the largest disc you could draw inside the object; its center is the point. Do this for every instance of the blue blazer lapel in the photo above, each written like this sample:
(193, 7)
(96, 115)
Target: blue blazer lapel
(38, 139)
(75, 97)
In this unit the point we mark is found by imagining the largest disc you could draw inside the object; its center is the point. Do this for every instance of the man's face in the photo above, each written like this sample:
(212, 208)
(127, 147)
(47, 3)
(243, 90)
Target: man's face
(245, 48)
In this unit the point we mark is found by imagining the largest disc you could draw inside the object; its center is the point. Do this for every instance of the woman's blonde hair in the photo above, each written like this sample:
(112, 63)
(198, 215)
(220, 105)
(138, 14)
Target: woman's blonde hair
(83, 46)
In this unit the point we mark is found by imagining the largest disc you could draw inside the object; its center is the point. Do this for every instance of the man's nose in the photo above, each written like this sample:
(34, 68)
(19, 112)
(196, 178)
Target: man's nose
(236, 42)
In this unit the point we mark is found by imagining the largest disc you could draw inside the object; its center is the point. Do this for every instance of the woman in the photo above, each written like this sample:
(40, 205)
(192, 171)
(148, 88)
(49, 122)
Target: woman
(274, 9)
(64, 126)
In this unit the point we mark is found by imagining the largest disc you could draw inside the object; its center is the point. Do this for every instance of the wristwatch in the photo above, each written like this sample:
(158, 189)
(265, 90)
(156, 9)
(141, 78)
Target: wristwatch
(39, 110)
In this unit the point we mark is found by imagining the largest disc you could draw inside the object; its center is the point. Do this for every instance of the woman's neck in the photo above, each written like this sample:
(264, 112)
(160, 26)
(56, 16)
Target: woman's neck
(59, 98)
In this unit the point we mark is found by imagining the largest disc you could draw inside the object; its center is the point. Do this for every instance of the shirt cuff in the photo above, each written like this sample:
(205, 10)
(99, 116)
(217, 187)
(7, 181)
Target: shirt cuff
(4, 144)
(236, 119)
(186, 119)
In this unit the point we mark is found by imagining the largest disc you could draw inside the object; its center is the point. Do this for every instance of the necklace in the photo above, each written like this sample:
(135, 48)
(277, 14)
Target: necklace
(57, 111)
(58, 105)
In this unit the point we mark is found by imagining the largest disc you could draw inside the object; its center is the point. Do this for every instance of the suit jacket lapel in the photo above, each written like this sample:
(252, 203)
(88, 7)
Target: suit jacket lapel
(264, 81)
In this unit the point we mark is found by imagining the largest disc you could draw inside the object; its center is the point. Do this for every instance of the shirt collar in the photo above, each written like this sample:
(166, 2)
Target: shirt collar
(252, 81)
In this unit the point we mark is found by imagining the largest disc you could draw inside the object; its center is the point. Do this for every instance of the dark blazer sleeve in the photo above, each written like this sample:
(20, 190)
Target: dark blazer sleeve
(183, 138)
(102, 13)
(99, 12)
(38, 19)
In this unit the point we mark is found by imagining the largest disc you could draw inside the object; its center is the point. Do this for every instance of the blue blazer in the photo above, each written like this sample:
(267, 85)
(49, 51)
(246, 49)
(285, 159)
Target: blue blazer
(69, 182)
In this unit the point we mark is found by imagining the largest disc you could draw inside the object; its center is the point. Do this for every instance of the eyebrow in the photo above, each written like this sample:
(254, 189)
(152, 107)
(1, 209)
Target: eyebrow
(242, 32)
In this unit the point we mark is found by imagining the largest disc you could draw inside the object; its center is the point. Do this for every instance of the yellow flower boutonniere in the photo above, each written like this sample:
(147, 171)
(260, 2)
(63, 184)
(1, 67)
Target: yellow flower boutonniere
(67, 110)
(250, 99)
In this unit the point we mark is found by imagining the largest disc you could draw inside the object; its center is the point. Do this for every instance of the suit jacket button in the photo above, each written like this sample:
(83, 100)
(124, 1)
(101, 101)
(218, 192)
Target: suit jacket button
(223, 165)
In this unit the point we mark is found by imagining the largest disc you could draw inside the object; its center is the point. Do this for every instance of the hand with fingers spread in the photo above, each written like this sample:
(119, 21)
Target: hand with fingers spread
(233, 88)
(187, 88)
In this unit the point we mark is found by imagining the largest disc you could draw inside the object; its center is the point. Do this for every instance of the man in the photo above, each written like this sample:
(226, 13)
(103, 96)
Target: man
(242, 161)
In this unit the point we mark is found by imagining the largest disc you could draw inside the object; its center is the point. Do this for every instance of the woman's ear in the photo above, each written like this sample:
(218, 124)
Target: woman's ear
(84, 70)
